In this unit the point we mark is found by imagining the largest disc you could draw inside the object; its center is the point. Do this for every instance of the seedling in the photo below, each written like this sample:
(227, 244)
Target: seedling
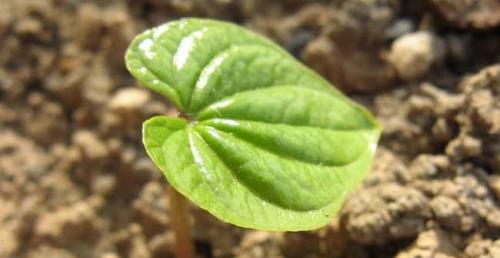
(261, 141)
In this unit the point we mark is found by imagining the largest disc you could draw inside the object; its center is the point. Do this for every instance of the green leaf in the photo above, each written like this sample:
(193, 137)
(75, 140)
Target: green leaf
(267, 143)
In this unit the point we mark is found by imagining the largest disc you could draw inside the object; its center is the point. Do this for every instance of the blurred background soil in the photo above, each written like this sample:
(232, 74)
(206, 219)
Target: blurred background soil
(75, 180)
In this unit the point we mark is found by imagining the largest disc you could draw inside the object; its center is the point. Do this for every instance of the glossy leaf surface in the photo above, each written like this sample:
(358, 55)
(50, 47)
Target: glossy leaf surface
(268, 144)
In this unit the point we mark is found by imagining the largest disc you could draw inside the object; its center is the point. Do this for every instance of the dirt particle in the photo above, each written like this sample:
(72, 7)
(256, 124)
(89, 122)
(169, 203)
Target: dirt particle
(49, 251)
(412, 55)
(485, 248)
(431, 243)
(64, 225)
(90, 146)
(385, 212)
(476, 14)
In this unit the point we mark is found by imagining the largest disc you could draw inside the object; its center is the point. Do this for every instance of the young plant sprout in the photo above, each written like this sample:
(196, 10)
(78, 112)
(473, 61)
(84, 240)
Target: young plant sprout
(261, 141)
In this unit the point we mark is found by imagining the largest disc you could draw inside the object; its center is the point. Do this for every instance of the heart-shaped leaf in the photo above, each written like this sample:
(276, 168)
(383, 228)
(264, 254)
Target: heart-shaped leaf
(267, 143)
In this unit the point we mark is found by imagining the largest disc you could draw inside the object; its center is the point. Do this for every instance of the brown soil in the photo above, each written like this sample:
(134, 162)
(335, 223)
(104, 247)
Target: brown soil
(75, 181)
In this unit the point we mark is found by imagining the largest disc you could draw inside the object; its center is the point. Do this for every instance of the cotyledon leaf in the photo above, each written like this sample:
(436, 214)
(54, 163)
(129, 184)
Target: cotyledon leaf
(266, 142)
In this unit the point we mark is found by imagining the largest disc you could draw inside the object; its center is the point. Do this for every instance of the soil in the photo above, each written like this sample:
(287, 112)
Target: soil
(76, 182)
